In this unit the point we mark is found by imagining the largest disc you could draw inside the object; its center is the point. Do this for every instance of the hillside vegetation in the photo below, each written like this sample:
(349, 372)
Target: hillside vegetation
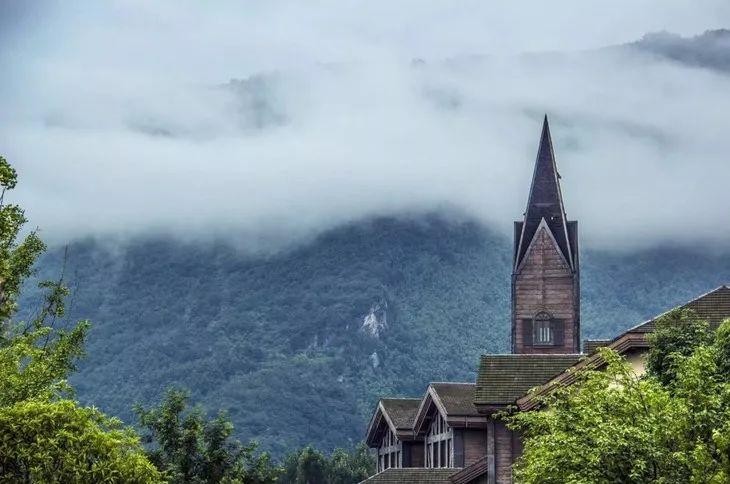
(298, 345)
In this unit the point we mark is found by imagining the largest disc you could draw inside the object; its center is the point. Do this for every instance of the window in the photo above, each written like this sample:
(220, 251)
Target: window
(389, 453)
(438, 443)
(542, 329)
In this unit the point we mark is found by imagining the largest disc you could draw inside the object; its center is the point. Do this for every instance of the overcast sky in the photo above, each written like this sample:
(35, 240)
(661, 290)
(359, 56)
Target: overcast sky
(121, 118)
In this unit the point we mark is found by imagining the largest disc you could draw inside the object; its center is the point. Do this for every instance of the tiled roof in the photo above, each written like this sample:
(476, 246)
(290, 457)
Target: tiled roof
(457, 398)
(472, 472)
(413, 475)
(591, 345)
(402, 411)
(503, 379)
(713, 307)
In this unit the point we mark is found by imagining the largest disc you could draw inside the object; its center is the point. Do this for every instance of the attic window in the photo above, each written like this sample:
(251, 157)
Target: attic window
(439, 444)
(389, 452)
(542, 330)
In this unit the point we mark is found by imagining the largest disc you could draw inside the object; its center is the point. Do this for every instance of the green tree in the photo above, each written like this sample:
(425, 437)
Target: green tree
(16, 256)
(722, 343)
(59, 441)
(614, 426)
(310, 466)
(45, 436)
(675, 336)
(602, 429)
(188, 448)
(349, 467)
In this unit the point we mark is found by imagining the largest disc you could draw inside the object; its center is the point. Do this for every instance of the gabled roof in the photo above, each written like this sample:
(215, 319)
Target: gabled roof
(543, 225)
(401, 411)
(713, 306)
(398, 414)
(454, 401)
(412, 475)
(502, 379)
(457, 398)
(545, 202)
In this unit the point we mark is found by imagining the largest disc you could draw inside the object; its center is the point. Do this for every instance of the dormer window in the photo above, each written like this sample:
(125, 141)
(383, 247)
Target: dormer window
(543, 332)
(439, 443)
(390, 452)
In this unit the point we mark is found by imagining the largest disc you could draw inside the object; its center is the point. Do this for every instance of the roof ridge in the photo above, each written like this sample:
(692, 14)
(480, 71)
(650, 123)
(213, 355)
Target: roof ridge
(653, 318)
(528, 355)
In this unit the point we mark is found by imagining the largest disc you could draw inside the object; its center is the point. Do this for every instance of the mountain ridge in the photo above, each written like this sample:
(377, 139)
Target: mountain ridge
(286, 342)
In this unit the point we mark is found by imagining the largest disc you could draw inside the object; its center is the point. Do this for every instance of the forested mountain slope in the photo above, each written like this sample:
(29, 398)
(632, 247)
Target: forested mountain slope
(298, 345)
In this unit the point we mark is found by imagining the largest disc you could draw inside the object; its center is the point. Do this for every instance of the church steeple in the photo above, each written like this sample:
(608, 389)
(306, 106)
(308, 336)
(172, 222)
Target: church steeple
(545, 275)
(545, 202)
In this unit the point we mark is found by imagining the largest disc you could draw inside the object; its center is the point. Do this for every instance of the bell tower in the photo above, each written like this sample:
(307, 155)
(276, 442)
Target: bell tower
(545, 275)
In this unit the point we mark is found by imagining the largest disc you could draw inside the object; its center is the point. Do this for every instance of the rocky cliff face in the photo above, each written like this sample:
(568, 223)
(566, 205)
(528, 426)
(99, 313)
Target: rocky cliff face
(375, 322)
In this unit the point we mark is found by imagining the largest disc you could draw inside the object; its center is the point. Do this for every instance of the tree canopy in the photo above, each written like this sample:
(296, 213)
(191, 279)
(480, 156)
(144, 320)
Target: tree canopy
(190, 448)
(670, 425)
(45, 435)
(310, 466)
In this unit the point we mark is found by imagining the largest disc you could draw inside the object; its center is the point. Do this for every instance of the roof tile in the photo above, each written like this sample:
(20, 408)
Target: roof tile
(713, 307)
(402, 411)
(457, 398)
(412, 476)
(502, 379)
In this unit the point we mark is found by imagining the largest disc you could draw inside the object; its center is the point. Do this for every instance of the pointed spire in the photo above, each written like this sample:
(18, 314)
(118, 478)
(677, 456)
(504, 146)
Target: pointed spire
(545, 200)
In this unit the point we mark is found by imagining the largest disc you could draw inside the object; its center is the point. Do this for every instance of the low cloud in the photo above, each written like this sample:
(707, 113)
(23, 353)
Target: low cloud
(276, 120)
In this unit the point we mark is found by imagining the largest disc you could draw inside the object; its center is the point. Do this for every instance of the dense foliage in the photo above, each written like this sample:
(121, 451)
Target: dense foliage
(310, 466)
(60, 441)
(46, 436)
(676, 337)
(670, 425)
(278, 339)
(189, 448)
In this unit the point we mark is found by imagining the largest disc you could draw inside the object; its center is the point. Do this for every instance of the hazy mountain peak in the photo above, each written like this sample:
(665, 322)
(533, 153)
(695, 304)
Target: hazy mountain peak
(711, 49)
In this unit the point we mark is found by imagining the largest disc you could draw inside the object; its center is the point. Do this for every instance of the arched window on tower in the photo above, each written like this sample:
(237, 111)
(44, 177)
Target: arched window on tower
(542, 330)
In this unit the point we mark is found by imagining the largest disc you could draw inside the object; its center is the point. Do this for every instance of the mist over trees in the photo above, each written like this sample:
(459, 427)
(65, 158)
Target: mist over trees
(288, 329)
(46, 435)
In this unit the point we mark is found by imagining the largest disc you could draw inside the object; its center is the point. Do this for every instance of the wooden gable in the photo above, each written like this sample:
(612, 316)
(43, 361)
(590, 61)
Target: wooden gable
(545, 287)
